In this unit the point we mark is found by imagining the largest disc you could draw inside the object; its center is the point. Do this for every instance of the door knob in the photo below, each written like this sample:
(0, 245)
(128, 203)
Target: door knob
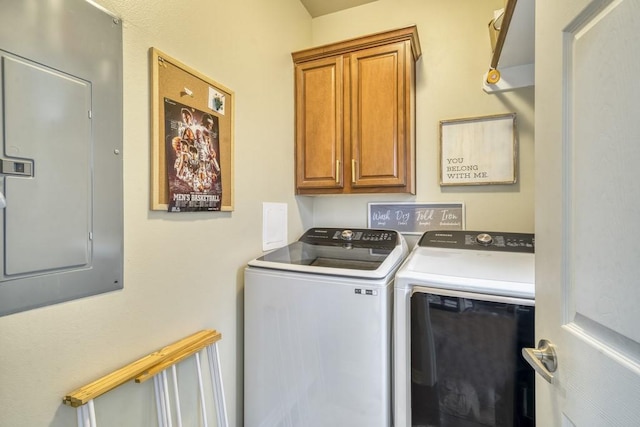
(543, 359)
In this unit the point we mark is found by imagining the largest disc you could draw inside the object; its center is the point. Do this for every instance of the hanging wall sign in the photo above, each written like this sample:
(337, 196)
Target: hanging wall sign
(478, 151)
(416, 218)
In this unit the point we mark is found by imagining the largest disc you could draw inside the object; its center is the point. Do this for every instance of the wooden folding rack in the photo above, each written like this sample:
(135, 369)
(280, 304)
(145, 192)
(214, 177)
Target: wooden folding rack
(155, 365)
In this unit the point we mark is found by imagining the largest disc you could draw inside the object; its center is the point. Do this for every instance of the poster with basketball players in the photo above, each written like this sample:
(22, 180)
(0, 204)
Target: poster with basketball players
(193, 166)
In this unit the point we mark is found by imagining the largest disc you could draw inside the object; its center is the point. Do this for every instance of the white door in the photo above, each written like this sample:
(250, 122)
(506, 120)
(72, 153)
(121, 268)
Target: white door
(587, 129)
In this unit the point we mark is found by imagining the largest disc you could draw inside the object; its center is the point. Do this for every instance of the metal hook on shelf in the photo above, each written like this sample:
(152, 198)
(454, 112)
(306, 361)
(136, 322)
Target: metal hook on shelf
(493, 76)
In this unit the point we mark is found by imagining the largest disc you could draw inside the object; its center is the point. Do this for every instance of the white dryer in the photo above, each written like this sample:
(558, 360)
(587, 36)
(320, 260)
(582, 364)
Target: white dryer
(318, 322)
(464, 308)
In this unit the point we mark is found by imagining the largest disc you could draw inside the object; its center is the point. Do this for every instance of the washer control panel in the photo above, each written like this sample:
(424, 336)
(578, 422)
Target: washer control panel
(479, 240)
(356, 237)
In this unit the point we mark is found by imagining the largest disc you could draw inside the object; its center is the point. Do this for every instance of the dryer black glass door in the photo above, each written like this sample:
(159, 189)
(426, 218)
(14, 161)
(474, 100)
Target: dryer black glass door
(466, 366)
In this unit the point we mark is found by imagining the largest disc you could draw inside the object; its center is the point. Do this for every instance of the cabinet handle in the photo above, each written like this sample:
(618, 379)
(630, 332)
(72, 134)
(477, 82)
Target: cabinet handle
(337, 171)
(353, 171)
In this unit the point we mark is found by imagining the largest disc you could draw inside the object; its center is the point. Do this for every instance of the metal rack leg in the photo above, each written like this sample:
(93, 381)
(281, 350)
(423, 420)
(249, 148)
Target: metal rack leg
(216, 381)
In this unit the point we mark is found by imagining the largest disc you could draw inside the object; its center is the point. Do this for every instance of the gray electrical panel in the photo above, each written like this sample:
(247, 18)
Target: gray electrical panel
(61, 234)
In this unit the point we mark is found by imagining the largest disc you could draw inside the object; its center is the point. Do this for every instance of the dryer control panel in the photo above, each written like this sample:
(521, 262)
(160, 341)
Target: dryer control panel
(479, 240)
(356, 237)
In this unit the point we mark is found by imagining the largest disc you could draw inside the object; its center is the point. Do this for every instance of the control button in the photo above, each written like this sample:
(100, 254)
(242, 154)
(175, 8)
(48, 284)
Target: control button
(347, 235)
(484, 239)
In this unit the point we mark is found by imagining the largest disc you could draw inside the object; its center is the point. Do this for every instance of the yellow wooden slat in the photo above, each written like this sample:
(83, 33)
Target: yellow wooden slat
(177, 358)
(118, 377)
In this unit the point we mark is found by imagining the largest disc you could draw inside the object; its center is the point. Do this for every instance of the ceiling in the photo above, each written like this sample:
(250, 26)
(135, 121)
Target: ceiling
(323, 7)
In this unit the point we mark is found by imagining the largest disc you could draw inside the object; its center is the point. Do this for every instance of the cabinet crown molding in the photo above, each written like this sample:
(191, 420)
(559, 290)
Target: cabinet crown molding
(346, 46)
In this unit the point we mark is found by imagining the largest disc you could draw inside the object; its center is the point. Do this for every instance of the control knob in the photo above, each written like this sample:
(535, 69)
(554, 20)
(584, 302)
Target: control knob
(484, 239)
(347, 235)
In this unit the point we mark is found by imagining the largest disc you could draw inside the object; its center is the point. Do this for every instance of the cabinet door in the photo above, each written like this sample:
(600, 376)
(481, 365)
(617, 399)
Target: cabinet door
(379, 117)
(319, 138)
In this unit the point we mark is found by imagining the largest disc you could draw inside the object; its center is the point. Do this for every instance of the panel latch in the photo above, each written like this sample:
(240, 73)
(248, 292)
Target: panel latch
(16, 167)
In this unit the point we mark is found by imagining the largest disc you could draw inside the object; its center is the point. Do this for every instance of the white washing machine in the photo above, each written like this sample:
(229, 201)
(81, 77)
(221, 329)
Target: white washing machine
(317, 333)
(464, 308)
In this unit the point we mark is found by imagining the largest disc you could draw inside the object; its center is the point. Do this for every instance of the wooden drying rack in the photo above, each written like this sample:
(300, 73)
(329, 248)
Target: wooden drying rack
(144, 368)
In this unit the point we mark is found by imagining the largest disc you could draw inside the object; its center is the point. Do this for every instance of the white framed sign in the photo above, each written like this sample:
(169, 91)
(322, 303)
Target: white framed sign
(478, 151)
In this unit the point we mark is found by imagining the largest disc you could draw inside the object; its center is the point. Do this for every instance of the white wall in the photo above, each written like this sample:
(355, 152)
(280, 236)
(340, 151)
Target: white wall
(455, 54)
(183, 272)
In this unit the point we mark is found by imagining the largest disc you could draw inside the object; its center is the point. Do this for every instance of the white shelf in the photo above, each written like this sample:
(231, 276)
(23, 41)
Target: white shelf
(517, 56)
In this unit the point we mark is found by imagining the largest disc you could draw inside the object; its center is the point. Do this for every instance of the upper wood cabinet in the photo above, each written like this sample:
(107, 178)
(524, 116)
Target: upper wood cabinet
(355, 113)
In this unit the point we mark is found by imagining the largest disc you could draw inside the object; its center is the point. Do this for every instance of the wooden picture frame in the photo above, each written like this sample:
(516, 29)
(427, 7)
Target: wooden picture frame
(478, 151)
(173, 80)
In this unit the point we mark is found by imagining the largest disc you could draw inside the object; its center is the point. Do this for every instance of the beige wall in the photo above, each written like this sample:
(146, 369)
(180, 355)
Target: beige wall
(184, 272)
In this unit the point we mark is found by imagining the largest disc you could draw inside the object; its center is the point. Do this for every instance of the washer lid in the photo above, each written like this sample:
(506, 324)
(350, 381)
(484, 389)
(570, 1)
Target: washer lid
(497, 272)
(363, 253)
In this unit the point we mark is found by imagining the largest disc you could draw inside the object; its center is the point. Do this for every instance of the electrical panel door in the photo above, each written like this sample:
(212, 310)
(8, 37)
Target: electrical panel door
(46, 170)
